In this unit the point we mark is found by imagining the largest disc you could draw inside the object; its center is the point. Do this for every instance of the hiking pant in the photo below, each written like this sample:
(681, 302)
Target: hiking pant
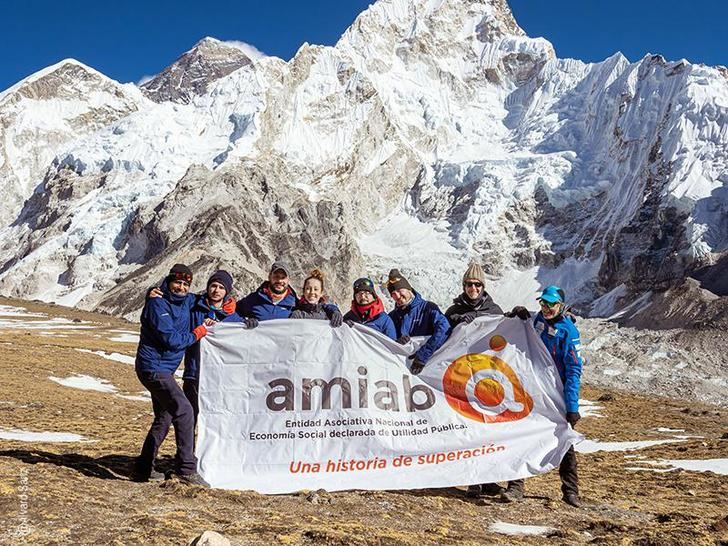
(171, 407)
(567, 473)
(190, 388)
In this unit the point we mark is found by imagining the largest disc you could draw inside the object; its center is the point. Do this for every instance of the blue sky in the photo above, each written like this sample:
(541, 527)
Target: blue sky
(131, 39)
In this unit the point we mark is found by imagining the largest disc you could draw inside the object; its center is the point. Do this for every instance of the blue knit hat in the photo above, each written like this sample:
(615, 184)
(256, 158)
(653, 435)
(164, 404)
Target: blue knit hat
(552, 294)
(224, 278)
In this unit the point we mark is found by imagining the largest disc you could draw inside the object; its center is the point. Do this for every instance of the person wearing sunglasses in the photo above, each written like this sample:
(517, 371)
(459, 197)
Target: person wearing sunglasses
(415, 316)
(561, 337)
(367, 308)
(166, 332)
(474, 301)
(314, 305)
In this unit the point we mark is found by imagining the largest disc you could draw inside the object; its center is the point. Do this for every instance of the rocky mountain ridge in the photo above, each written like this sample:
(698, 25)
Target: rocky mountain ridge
(434, 132)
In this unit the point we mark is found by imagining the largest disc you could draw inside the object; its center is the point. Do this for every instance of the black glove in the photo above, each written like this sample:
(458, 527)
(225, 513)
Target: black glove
(520, 312)
(467, 318)
(350, 323)
(251, 323)
(572, 417)
(417, 365)
(403, 340)
(336, 319)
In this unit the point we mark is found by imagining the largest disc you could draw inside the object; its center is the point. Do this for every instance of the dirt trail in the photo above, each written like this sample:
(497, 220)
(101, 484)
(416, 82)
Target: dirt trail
(79, 492)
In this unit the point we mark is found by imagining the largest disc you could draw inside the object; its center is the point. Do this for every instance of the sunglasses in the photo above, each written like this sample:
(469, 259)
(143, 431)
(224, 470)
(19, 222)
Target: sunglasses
(544, 303)
(186, 277)
(471, 283)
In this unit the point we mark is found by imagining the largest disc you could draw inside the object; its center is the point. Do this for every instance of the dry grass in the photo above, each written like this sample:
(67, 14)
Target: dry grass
(79, 492)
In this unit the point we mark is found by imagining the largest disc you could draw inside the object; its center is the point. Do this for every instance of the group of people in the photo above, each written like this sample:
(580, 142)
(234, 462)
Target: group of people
(174, 320)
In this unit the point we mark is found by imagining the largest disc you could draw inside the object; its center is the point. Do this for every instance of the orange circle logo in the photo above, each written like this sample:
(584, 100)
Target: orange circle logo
(484, 388)
(497, 343)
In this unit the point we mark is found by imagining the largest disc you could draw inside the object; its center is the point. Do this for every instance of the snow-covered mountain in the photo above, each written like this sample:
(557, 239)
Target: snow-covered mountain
(434, 132)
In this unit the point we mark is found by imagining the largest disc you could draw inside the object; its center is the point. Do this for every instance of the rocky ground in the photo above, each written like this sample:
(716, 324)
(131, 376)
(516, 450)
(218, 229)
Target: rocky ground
(675, 363)
(77, 491)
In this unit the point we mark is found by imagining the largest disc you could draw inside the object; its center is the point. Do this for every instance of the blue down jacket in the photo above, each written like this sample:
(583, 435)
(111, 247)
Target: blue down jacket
(166, 332)
(422, 318)
(561, 338)
(259, 305)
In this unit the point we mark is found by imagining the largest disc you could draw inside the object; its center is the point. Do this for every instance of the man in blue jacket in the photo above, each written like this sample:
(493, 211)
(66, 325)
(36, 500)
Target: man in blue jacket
(561, 337)
(414, 316)
(274, 299)
(367, 308)
(217, 305)
(166, 333)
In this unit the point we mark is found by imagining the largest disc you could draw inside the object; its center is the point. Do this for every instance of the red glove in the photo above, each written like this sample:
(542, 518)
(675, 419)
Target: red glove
(200, 332)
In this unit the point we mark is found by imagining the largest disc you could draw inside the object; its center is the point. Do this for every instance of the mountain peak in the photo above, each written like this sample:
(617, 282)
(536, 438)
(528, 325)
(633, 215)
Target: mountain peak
(190, 75)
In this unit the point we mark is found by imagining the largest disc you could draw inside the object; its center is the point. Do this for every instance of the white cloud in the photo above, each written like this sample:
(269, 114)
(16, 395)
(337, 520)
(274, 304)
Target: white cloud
(145, 79)
(250, 50)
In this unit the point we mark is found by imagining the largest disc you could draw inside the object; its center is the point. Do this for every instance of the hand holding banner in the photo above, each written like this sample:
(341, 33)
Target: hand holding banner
(297, 405)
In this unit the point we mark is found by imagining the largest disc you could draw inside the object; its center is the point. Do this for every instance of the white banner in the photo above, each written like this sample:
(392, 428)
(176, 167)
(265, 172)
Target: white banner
(296, 404)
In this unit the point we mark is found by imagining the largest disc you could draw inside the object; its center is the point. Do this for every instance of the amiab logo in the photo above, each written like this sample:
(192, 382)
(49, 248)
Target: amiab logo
(484, 388)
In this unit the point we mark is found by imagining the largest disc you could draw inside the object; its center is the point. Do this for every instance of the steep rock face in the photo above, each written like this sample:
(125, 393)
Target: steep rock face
(192, 73)
(434, 132)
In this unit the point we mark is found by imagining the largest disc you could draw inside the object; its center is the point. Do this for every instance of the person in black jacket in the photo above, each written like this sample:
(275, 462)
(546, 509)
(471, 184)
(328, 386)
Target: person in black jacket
(474, 301)
(314, 305)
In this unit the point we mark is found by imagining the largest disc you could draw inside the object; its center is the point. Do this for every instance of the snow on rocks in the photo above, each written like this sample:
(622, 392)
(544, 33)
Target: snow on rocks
(473, 129)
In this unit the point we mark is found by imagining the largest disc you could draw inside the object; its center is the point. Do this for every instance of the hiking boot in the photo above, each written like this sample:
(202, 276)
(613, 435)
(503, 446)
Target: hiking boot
(512, 494)
(473, 491)
(143, 477)
(491, 489)
(572, 499)
(193, 479)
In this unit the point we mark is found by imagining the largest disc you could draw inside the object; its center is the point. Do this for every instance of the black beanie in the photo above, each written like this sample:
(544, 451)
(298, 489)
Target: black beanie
(364, 285)
(224, 278)
(397, 281)
(180, 271)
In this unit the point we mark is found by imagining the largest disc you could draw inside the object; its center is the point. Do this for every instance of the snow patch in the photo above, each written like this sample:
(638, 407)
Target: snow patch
(116, 357)
(126, 338)
(718, 466)
(85, 383)
(45, 437)
(593, 446)
(10, 311)
(587, 408)
(514, 529)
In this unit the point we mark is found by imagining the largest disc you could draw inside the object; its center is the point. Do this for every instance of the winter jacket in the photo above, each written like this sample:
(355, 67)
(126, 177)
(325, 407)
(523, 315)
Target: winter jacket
(201, 310)
(374, 317)
(166, 332)
(318, 311)
(463, 307)
(422, 318)
(259, 304)
(561, 338)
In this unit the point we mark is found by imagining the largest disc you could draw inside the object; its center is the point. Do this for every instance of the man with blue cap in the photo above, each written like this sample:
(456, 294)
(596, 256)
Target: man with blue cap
(561, 337)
